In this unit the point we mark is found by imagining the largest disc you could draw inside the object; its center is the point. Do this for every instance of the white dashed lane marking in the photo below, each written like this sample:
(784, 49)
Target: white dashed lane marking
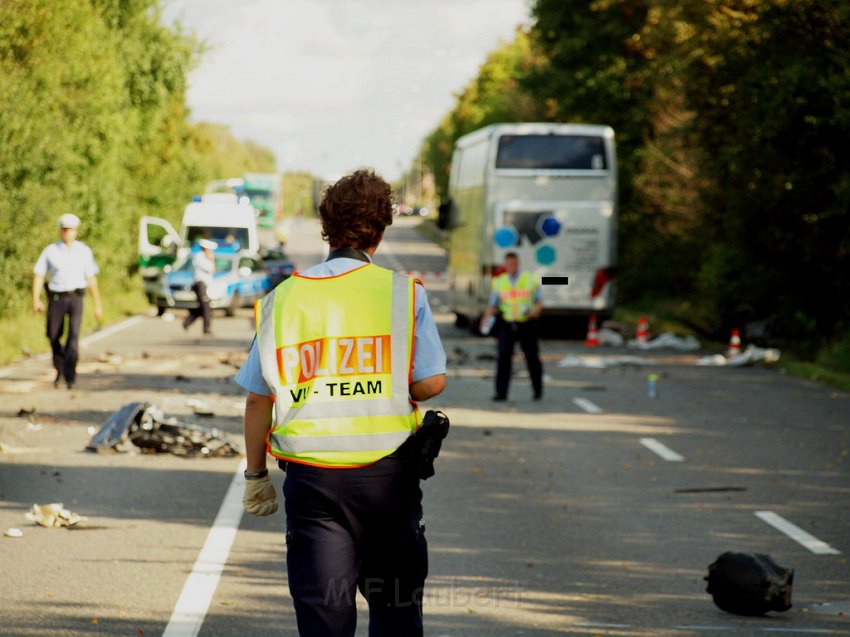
(588, 406)
(661, 449)
(797, 534)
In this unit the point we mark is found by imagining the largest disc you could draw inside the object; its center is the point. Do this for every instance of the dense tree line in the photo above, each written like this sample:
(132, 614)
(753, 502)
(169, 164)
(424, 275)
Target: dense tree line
(93, 120)
(732, 123)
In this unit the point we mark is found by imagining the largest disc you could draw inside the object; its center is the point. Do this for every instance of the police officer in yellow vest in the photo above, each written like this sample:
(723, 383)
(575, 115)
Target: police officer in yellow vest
(344, 349)
(515, 297)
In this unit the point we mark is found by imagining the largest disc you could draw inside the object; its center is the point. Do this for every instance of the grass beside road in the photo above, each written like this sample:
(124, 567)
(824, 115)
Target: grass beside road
(816, 373)
(24, 334)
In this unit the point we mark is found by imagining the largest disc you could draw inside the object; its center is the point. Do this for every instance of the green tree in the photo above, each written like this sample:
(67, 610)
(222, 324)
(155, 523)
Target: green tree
(62, 133)
(599, 71)
(495, 95)
(769, 85)
(93, 120)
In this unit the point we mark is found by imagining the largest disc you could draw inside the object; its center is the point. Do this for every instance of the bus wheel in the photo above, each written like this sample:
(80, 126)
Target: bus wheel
(461, 320)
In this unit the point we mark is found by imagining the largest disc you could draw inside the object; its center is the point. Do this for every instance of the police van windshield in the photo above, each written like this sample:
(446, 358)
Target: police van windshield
(223, 263)
(551, 152)
(222, 236)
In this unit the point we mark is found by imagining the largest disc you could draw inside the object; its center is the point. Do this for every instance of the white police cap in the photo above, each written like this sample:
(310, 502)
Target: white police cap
(69, 220)
(207, 244)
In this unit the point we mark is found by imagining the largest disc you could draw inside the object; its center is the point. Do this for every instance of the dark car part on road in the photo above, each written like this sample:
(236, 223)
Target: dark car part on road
(143, 426)
(749, 584)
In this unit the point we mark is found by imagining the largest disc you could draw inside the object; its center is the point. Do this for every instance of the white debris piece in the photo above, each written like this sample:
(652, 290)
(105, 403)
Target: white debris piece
(601, 362)
(667, 340)
(200, 407)
(753, 354)
(53, 515)
(714, 360)
(610, 337)
(14, 533)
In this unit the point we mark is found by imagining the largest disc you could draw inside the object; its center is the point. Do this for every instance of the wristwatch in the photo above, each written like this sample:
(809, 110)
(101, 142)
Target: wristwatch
(256, 475)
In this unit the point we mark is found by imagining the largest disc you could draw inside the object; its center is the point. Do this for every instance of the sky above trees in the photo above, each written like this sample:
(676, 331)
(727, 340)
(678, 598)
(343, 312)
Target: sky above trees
(331, 86)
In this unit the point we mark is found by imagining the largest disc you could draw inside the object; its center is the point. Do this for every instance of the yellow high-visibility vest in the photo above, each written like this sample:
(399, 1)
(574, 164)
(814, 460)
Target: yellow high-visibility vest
(515, 301)
(338, 352)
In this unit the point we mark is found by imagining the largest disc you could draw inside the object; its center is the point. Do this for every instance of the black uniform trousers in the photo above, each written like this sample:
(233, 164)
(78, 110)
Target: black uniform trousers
(526, 333)
(349, 529)
(203, 310)
(60, 305)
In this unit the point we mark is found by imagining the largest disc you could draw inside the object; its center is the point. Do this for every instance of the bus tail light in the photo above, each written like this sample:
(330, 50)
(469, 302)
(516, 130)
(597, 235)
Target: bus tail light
(602, 278)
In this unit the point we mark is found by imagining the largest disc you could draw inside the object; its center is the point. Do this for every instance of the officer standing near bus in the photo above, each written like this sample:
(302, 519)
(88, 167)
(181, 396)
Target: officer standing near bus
(515, 297)
(69, 268)
(343, 351)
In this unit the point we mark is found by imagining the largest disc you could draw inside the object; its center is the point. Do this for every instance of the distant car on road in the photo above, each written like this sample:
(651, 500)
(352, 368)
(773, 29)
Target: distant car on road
(278, 265)
(239, 280)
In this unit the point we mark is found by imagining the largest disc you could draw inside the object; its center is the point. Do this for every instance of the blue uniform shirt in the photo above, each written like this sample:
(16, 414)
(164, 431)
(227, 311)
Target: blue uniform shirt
(66, 267)
(429, 358)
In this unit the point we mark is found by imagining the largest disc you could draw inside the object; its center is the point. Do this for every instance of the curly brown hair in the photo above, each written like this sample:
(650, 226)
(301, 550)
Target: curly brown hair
(355, 210)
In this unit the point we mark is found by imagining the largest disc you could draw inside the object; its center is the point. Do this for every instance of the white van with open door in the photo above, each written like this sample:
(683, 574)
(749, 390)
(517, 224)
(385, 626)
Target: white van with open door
(220, 217)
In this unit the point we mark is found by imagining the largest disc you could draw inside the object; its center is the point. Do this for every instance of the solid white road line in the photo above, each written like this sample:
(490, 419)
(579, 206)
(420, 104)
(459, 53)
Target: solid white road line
(767, 629)
(109, 331)
(194, 601)
(588, 406)
(799, 631)
(661, 449)
(796, 533)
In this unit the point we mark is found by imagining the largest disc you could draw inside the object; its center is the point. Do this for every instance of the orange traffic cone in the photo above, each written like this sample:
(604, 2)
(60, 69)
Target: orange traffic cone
(592, 339)
(642, 334)
(734, 343)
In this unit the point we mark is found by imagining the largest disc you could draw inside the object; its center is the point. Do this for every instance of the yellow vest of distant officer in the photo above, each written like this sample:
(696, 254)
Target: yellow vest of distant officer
(338, 352)
(515, 301)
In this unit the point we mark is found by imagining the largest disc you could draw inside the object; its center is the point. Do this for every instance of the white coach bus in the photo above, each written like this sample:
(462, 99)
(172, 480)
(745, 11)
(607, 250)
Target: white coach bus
(545, 191)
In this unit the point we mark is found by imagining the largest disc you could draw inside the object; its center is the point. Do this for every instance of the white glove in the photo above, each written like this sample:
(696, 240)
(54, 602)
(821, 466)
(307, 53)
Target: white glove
(260, 497)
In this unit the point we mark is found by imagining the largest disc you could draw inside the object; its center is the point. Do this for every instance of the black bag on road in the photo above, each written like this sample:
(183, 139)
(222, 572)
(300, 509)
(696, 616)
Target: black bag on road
(749, 584)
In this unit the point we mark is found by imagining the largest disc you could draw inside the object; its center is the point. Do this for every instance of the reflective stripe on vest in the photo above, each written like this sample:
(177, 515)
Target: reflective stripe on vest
(515, 301)
(338, 353)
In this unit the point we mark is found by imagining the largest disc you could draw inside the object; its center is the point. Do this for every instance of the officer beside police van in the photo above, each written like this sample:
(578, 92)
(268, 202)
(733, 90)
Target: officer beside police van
(343, 352)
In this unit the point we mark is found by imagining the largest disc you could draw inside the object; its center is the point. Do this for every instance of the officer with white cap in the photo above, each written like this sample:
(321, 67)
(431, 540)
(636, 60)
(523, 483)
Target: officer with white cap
(69, 269)
(203, 269)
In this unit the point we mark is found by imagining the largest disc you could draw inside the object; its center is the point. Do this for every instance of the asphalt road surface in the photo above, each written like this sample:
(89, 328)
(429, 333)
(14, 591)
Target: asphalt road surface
(593, 512)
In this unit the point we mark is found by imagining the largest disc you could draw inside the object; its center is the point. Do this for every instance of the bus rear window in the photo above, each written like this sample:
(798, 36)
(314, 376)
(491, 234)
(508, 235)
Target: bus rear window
(551, 152)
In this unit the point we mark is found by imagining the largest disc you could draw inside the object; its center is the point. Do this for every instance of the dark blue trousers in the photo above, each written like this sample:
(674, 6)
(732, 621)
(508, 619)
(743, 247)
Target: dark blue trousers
(526, 334)
(65, 355)
(204, 310)
(350, 529)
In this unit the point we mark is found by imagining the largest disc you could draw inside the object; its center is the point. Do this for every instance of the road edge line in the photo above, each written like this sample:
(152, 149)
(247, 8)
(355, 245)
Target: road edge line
(194, 601)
